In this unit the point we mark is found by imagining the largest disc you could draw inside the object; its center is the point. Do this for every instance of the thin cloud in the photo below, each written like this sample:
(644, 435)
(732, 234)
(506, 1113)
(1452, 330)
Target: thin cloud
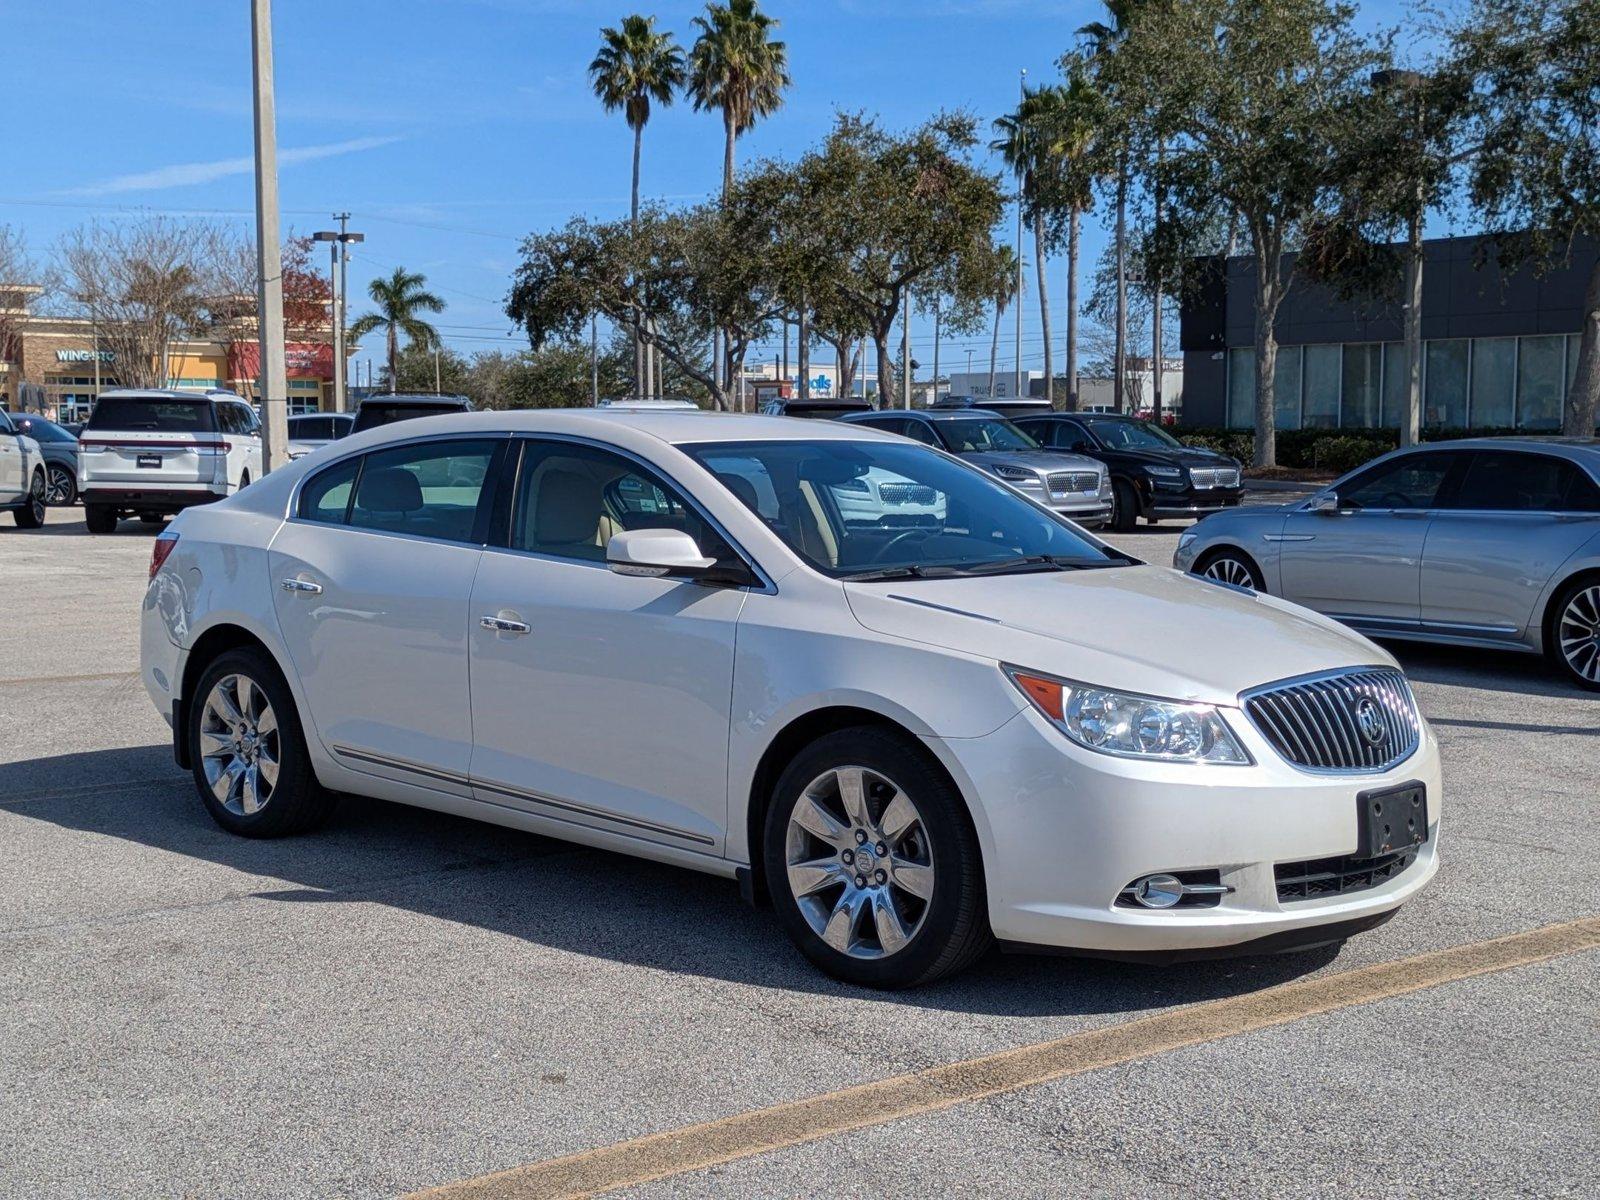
(190, 174)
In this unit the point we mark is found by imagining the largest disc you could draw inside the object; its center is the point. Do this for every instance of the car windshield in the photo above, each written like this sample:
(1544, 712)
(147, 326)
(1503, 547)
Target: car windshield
(148, 414)
(374, 413)
(41, 430)
(969, 434)
(865, 510)
(1120, 433)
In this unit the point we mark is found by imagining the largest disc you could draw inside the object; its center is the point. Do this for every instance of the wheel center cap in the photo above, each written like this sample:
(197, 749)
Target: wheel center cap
(866, 860)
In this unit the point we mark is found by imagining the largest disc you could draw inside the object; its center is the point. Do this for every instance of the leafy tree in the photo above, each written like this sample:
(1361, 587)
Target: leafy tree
(401, 299)
(636, 66)
(1251, 103)
(1534, 76)
(737, 69)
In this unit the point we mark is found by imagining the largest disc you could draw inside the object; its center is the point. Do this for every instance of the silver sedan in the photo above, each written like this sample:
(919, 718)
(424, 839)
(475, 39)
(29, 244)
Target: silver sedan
(1483, 542)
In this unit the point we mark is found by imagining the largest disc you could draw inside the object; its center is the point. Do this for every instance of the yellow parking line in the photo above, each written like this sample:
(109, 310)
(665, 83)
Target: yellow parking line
(762, 1130)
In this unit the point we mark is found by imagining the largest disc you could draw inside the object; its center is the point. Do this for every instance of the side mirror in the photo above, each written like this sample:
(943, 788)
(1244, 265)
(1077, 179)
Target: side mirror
(1324, 504)
(656, 552)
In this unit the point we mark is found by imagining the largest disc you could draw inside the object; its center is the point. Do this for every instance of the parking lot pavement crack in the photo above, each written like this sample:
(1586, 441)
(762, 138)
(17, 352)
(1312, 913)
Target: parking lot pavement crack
(88, 789)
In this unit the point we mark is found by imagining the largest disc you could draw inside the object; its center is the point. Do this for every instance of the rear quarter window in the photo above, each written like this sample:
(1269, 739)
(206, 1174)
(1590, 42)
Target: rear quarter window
(134, 413)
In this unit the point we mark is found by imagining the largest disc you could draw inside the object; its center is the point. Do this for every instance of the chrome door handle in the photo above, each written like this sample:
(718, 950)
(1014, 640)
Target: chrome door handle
(502, 625)
(301, 585)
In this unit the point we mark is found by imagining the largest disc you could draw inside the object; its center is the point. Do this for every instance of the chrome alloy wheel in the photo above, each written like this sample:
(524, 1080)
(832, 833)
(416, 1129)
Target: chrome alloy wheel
(59, 490)
(860, 864)
(36, 497)
(1227, 569)
(1579, 633)
(239, 745)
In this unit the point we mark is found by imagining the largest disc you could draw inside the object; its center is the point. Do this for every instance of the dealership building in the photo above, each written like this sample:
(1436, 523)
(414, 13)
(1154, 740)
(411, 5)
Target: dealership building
(1500, 348)
(56, 365)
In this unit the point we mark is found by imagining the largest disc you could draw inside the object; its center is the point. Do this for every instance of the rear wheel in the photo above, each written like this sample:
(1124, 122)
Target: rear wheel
(1124, 506)
(1232, 566)
(62, 489)
(249, 753)
(100, 518)
(1574, 633)
(872, 862)
(31, 514)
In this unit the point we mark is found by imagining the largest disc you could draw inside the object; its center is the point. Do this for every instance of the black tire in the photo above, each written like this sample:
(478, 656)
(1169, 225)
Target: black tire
(1231, 566)
(1583, 668)
(99, 518)
(1124, 506)
(31, 514)
(63, 491)
(296, 802)
(244, 481)
(951, 929)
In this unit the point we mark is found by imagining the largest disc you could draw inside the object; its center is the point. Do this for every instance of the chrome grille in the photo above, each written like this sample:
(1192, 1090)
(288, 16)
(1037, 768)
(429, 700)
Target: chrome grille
(1064, 483)
(905, 493)
(1214, 477)
(1354, 721)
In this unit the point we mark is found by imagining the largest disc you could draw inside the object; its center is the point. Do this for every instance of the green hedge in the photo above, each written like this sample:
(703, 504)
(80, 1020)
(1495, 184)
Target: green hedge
(1336, 450)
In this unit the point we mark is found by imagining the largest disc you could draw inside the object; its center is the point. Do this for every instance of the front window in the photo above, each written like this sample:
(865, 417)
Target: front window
(1411, 481)
(1117, 434)
(866, 510)
(978, 434)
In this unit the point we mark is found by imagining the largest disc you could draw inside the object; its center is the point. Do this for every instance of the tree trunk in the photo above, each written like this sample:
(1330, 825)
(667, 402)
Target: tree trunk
(1044, 307)
(880, 339)
(994, 348)
(394, 354)
(1072, 311)
(1268, 294)
(803, 351)
(1577, 416)
(640, 388)
(1411, 421)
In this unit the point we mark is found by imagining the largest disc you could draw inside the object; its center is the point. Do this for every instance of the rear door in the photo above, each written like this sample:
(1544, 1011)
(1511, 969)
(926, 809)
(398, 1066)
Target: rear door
(1365, 560)
(371, 580)
(1516, 516)
(149, 441)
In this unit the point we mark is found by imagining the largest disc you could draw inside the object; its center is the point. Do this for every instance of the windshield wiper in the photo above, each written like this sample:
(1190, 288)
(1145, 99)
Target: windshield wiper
(1040, 562)
(909, 571)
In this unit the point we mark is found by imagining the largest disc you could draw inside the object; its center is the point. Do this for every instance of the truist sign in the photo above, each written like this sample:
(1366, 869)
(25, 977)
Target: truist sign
(305, 360)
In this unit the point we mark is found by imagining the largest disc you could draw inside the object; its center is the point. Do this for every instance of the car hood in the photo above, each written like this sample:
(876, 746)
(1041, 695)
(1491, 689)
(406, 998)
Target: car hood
(1140, 629)
(1189, 456)
(1033, 460)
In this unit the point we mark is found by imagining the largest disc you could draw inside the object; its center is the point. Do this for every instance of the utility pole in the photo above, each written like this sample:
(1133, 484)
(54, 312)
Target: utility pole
(1023, 92)
(935, 398)
(594, 358)
(1120, 367)
(905, 353)
(273, 385)
(339, 249)
(1157, 362)
(437, 386)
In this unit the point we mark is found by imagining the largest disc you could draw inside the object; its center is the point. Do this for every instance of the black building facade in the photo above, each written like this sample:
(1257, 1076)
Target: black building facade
(1499, 348)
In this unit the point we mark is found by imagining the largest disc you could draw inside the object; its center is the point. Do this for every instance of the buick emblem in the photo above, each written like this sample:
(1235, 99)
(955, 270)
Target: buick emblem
(1369, 719)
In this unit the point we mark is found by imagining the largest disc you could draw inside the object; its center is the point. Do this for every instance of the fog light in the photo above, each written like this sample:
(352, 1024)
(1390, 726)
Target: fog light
(1158, 891)
(1165, 890)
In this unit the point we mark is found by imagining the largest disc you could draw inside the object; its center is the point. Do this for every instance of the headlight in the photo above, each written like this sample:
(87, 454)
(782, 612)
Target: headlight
(1164, 472)
(1131, 726)
(1186, 539)
(1017, 475)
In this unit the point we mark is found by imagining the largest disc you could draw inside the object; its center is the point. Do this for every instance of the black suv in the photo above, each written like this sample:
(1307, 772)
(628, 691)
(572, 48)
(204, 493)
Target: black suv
(385, 408)
(1153, 475)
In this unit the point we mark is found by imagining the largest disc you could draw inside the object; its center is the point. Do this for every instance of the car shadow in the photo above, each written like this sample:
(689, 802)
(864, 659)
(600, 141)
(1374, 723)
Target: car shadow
(1497, 670)
(567, 897)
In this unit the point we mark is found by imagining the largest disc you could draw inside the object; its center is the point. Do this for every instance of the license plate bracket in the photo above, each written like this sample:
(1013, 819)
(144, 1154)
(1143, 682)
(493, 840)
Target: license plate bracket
(1389, 820)
(149, 461)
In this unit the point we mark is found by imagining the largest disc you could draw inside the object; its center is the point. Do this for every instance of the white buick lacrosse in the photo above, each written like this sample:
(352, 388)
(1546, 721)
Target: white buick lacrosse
(913, 709)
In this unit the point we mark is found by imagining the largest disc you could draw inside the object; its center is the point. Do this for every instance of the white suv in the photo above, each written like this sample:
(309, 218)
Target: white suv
(153, 453)
(22, 475)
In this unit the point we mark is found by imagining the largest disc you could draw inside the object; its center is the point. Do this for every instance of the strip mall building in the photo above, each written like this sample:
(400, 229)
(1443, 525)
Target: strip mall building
(56, 367)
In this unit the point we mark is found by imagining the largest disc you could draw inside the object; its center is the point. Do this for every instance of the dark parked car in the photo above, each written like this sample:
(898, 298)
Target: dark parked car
(1153, 475)
(828, 408)
(389, 407)
(60, 446)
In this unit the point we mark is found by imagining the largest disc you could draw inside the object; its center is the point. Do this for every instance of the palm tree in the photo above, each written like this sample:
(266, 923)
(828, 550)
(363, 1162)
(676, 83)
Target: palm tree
(400, 298)
(636, 65)
(1005, 291)
(736, 68)
(1072, 129)
(1024, 144)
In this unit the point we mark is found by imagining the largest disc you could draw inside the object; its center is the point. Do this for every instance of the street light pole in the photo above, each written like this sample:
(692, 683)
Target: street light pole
(339, 246)
(905, 353)
(1022, 88)
(273, 385)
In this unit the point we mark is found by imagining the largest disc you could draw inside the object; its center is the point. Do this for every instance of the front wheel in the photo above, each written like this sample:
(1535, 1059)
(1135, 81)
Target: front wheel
(251, 767)
(1574, 641)
(872, 862)
(1124, 506)
(1232, 567)
(31, 514)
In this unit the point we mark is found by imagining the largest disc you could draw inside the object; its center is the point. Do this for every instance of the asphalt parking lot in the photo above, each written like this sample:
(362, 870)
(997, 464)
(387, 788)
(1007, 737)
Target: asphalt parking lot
(405, 1000)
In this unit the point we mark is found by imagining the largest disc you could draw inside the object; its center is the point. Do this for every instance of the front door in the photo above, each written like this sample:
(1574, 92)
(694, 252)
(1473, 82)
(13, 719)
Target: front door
(1365, 559)
(372, 581)
(11, 481)
(598, 699)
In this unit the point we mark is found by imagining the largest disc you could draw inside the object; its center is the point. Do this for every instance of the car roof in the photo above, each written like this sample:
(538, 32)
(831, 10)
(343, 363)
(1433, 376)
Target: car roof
(170, 394)
(1574, 447)
(931, 414)
(414, 398)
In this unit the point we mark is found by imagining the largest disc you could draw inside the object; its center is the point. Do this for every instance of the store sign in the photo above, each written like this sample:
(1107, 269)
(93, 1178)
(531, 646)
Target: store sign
(83, 356)
(303, 360)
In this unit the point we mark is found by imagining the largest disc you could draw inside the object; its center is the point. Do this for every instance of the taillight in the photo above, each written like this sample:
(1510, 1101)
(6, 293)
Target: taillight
(160, 550)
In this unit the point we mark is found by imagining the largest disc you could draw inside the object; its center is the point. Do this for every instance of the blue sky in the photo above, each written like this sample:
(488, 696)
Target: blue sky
(451, 128)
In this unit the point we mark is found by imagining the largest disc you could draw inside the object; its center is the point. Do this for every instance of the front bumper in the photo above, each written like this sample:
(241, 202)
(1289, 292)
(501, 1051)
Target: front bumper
(1092, 513)
(1166, 500)
(1064, 830)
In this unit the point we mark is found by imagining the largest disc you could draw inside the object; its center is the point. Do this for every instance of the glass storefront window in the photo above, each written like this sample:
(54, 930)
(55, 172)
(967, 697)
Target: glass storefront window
(1321, 408)
(1241, 389)
(1395, 384)
(1494, 382)
(1286, 388)
(1359, 388)
(1444, 384)
(1540, 367)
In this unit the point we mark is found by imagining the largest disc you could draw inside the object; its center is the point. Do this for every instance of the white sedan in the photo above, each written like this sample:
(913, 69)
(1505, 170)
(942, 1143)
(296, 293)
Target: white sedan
(683, 636)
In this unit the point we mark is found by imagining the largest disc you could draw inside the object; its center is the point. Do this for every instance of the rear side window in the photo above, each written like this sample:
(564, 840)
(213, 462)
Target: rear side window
(152, 415)
(326, 496)
(427, 490)
(1511, 481)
